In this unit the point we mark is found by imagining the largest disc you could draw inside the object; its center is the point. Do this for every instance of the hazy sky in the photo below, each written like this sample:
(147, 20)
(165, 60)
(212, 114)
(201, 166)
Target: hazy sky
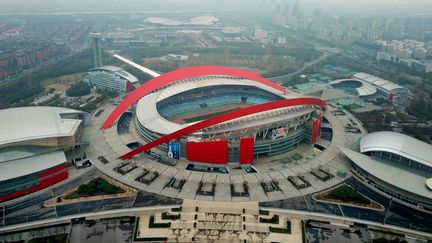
(330, 6)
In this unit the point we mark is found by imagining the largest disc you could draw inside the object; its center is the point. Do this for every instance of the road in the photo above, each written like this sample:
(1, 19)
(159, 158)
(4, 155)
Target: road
(31, 208)
(394, 214)
(326, 52)
(282, 78)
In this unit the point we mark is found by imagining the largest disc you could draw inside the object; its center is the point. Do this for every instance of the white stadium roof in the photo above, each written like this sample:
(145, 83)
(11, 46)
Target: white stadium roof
(117, 70)
(377, 81)
(150, 118)
(391, 173)
(26, 166)
(366, 89)
(205, 81)
(399, 144)
(36, 122)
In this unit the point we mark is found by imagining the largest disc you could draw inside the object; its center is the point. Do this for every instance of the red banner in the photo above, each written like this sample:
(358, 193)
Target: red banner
(314, 131)
(213, 152)
(246, 150)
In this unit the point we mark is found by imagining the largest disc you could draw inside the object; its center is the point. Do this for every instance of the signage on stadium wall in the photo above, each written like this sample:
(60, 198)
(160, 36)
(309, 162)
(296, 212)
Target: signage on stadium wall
(193, 139)
(279, 132)
(174, 150)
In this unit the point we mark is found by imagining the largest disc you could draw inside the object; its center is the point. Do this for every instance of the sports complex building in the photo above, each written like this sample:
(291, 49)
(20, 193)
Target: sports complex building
(218, 118)
(111, 78)
(367, 86)
(32, 145)
(397, 164)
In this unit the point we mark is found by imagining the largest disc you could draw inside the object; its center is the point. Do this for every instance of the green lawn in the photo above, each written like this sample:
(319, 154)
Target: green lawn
(286, 230)
(95, 187)
(347, 194)
(165, 215)
(272, 220)
(61, 238)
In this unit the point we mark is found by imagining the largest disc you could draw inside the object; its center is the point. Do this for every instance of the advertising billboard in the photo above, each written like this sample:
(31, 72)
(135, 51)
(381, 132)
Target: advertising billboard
(174, 150)
(279, 132)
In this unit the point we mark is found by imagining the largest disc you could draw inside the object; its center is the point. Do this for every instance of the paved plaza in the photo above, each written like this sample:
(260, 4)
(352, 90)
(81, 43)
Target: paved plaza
(109, 144)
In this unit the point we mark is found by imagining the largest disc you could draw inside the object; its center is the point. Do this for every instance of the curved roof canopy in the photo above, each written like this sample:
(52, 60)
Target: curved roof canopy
(181, 74)
(118, 71)
(226, 117)
(409, 180)
(379, 82)
(365, 89)
(148, 115)
(36, 122)
(398, 143)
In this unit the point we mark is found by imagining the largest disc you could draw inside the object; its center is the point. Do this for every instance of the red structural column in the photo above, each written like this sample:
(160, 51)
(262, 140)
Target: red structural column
(246, 150)
(314, 131)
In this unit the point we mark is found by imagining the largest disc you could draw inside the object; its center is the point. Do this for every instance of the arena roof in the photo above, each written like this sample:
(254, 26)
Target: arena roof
(27, 166)
(149, 117)
(36, 122)
(254, 109)
(366, 89)
(401, 177)
(399, 144)
(181, 74)
(379, 82)
(120, 72)
(211, 80)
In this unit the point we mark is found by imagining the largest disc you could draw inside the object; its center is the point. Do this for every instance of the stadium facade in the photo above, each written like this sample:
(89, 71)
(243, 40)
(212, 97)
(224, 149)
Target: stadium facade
(218, 115)
(32, 145)
(397, 164)
(111, 78)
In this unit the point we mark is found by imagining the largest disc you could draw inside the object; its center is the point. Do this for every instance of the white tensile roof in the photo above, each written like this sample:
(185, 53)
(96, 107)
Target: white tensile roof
(402, 178)
(377, 81)
(26, 166)
(366, 89)
(399, 144)
(119, 71)
(35, 122)
(148, 115)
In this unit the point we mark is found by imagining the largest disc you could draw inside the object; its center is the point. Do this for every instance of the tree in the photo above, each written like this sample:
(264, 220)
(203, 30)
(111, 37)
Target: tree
(79, 89)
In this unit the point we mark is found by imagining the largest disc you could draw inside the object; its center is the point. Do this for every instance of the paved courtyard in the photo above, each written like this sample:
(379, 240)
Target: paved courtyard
(110, 145)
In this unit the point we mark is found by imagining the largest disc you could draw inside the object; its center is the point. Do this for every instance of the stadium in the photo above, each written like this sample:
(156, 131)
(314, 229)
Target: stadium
(396, 164)
(32, 153)
(367, 87)
(221, 115)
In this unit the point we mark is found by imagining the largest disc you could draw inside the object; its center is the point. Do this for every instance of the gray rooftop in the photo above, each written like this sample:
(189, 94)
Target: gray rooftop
(21, 167)
(36, 122)
(119, 71)
(399, 144)
(400, 177)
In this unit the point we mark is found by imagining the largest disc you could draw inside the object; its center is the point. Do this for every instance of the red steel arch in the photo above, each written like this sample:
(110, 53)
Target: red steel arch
(226, 117)
(180, 74)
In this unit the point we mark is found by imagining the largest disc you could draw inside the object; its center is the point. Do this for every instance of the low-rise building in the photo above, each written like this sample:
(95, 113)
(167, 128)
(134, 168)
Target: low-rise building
(111, 78)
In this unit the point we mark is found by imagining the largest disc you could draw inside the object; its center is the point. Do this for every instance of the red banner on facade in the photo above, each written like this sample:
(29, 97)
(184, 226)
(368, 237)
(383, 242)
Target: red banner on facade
(246, 150)
(213, 152)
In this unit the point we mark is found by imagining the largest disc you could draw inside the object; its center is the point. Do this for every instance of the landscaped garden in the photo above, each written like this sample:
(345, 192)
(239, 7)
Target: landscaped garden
(347, 194)
(95, 187)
